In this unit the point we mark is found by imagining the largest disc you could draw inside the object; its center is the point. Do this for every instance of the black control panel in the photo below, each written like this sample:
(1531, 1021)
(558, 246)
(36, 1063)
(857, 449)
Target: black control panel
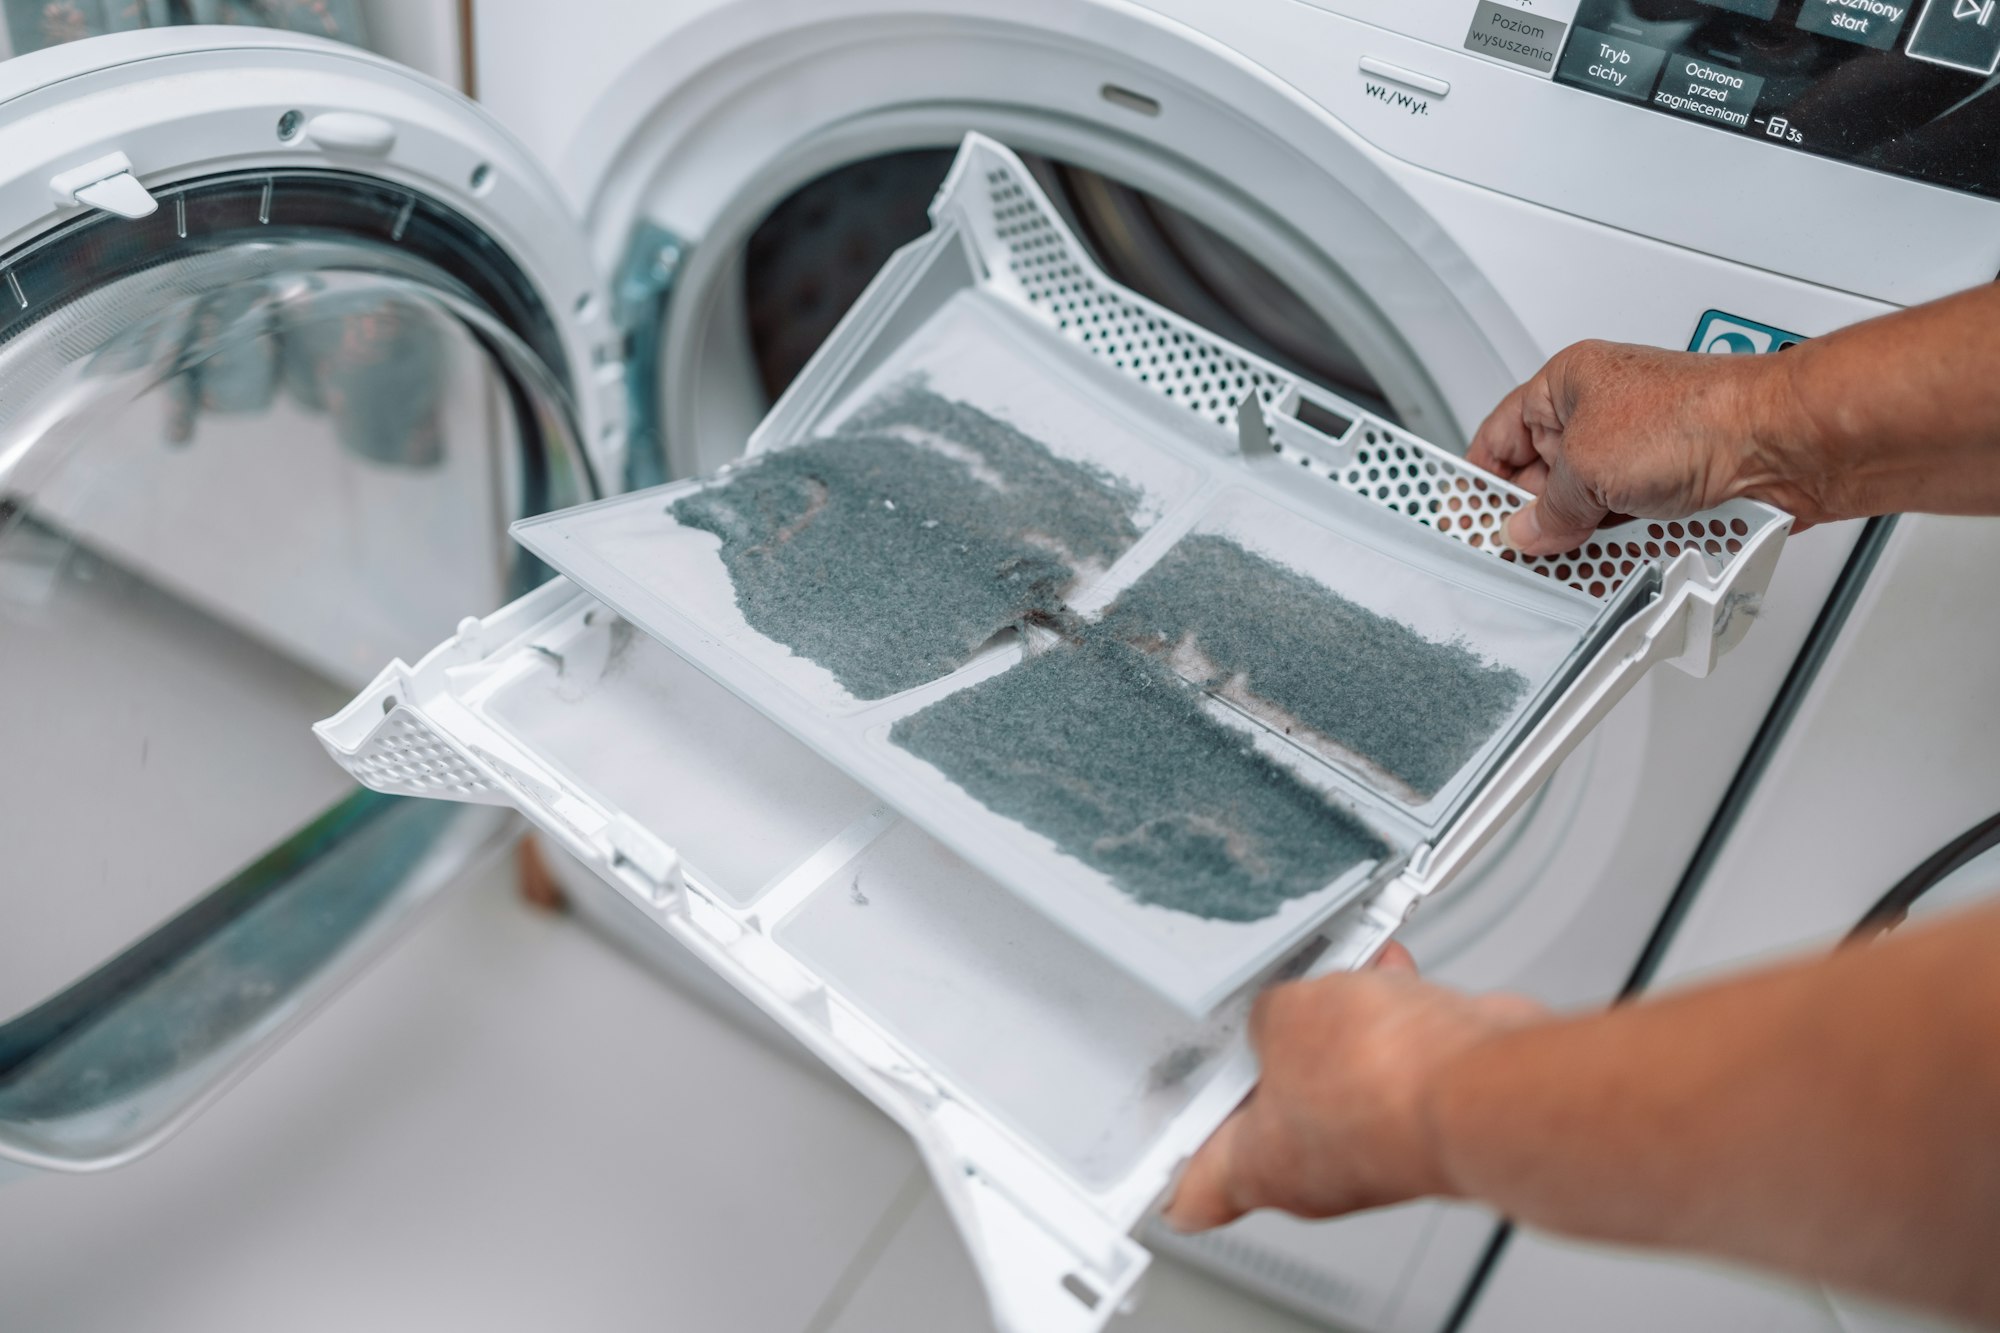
(1904, 86)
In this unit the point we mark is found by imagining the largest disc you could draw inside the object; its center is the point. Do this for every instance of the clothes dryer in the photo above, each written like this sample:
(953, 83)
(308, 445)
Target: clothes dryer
(288, 318)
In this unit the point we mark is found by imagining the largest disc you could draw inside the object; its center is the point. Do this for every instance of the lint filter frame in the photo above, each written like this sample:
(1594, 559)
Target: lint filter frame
(616, 743)
(999, 306)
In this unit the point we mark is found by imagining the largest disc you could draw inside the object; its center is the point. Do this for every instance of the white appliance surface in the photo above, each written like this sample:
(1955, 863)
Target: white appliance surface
(1889, 758)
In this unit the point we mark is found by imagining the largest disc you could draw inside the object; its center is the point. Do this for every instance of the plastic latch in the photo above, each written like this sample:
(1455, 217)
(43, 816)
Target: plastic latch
(471, 631)
(108, 183)
(1392, 907)
(1253, 433)
(1714, 621)
(638, 851)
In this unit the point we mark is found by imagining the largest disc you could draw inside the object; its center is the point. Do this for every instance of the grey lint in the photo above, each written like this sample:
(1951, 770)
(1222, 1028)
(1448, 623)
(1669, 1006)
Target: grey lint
(1262, 633)
(889, 552)
(1108, 754)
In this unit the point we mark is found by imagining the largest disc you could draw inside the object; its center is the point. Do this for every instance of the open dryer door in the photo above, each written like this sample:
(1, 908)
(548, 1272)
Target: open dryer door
(288, 335)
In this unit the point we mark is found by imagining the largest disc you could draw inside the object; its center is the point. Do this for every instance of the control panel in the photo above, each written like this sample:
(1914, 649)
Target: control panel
(1902, 86)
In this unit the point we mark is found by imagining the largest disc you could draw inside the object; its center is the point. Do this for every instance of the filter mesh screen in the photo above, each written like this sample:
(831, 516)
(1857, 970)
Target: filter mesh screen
(1100, 748)
(1305, 659)
(889, 551)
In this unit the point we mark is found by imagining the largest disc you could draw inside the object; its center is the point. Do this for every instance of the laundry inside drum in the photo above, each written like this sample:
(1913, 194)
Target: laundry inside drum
(1100, 748)
(890, 550)
(1347, 681)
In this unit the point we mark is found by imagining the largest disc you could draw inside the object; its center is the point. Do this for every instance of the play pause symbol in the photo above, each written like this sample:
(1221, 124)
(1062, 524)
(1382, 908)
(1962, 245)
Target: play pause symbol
(1959, 34)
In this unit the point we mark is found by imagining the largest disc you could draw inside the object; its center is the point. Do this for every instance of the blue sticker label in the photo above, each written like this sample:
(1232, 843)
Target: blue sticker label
(1733, 335)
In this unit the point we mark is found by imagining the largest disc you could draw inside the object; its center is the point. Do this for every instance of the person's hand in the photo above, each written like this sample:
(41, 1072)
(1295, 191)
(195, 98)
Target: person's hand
(1339, 1119)
(1610, 429)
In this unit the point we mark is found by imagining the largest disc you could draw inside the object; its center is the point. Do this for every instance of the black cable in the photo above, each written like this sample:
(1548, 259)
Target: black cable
(1475, 1286)
(1890, 909)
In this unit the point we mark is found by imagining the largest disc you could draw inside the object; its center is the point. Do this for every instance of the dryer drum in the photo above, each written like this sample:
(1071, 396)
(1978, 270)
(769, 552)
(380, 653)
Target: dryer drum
(812, 255)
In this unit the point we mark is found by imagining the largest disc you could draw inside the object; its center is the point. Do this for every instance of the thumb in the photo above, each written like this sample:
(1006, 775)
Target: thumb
(1207, 1195)
(1394, 958)
(1562, 518)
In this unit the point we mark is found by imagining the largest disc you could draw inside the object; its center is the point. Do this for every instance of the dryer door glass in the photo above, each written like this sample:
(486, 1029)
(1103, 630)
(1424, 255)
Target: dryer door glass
(237, 474)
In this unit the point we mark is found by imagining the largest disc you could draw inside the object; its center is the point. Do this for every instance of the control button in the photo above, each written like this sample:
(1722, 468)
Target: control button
(1409, 78)
(1756, 9)
(1517, 36)
(1963, 34)
(1708, 90)
(1611, 64)
(1875, 23)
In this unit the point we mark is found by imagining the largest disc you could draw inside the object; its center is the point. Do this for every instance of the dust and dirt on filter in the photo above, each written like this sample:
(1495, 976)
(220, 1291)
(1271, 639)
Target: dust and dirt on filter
(1340, 679)
(891, 550)
(1100, 748)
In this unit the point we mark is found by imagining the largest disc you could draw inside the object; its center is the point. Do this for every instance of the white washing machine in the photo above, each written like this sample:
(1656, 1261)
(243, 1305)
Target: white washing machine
(228, 418)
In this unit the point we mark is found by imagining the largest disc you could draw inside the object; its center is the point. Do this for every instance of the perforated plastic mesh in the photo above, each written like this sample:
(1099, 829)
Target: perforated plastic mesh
(1444, 493)
(1425, 483)
(404, 757)
(1270, 1270)
(1396, 470)
(1160, 352)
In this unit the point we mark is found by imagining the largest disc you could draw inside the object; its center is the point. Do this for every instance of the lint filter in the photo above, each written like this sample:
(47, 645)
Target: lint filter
(1039, 628)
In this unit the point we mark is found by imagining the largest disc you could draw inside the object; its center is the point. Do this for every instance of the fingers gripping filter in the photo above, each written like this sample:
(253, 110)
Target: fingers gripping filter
(1039, 627)
(1054, 276)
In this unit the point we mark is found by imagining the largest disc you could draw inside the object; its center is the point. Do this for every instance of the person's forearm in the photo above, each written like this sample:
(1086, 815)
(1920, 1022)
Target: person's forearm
(1897, 413)
(1813, 1117)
